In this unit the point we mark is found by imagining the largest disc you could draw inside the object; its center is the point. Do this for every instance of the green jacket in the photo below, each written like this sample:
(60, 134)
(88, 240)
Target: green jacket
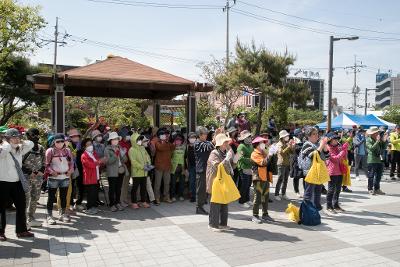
(395, 141)
(245, 161)
(138, 157)
(178, 158)
(375, 150)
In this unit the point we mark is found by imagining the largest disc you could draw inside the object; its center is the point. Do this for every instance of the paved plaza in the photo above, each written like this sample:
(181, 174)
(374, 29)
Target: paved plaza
(368, 234)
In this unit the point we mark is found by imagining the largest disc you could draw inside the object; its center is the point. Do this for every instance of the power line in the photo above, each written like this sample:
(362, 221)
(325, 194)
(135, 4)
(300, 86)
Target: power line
(317, 21)
(156, 4)
(310, 29)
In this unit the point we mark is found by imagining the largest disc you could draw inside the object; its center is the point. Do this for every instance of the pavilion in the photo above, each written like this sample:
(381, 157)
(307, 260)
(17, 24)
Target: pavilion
(117, 77)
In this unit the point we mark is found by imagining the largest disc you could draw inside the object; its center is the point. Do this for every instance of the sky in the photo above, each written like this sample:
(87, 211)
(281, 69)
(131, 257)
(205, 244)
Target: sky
(177, 39)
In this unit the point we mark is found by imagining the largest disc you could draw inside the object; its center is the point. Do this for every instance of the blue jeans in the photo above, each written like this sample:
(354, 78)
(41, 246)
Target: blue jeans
(375, 171)
(56, 183)
(192, 183)
(245, 184)
(313, 193)
(180, 178)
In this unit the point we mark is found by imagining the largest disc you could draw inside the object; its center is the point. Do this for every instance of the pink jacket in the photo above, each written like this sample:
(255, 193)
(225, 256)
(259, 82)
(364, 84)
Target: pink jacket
(336, 155)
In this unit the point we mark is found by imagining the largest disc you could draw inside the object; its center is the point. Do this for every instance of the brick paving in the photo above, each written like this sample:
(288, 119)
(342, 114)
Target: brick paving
(368, 234)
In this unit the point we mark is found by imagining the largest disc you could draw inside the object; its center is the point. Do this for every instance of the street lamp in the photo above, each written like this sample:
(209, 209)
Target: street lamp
(366, 96)
(330, 74)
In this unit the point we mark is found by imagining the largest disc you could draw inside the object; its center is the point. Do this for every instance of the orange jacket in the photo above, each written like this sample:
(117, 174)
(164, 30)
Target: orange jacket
(259, 160)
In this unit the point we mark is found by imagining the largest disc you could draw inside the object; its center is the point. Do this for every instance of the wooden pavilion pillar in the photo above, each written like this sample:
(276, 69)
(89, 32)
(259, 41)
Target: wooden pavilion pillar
(59, 109)
(191, 108)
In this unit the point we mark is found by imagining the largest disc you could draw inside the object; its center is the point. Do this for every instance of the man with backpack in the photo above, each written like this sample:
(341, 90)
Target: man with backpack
(59, 167)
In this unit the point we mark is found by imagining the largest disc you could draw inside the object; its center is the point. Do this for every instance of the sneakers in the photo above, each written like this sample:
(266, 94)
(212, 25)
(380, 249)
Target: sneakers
(299, 195)
(145, 205)
(214, 229)
(3, 238)
(358, 178)
(278, 198)
(245, 205)
(156, 202)
(256, 219)
(51, 221)
(393, 178)
(266, 218)
(339, 209)
(201, 211)
(181, 198)
(124, 204)
(168, 200)
(113, 208)
(379, 192)
(33, 223)
(224, 227)
(173, 199)
(64, 218)
(347, 190)
(331, 210)
(26, 234)
(250, 203)
(79, 208)
(285, 197)
(92, 211)
(371, 192)
(135, 206)
(119, 207)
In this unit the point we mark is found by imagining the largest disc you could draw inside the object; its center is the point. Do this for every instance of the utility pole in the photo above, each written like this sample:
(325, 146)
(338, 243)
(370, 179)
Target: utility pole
(56, 43)
(355, 68)
(226, 9)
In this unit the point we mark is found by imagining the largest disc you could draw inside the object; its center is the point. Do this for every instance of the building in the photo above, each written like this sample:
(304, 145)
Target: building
(387, 90)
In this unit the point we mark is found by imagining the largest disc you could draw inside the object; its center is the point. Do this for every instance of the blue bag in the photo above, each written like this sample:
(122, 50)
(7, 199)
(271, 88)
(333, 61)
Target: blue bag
(309, 214)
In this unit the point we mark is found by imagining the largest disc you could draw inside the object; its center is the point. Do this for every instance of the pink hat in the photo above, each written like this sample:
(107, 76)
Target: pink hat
(259, 139)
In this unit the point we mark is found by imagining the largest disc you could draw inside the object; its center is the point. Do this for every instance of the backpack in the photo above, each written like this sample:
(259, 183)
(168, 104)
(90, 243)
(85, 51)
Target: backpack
(309, 214)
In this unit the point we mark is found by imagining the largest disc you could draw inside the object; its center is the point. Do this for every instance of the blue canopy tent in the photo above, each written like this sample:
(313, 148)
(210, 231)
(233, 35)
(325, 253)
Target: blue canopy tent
(347, 121)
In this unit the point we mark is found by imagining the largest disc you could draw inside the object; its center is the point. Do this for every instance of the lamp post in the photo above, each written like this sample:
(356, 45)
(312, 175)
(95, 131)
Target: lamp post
(366, 96)
(330, 75)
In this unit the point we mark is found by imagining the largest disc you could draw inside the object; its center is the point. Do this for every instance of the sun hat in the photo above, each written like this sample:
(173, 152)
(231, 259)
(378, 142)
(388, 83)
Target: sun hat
(12, 132)
(113, 135)
(244, 134)
(220, 139)
(95, 133)
(259, 139)
(74, 132)
(283, 134)
(373, 130)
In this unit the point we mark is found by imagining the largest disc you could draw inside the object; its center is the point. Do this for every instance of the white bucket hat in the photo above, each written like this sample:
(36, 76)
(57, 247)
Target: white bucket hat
(220, 139)
(113, 135)
(244, 134)
(283, 134)
(373, 130)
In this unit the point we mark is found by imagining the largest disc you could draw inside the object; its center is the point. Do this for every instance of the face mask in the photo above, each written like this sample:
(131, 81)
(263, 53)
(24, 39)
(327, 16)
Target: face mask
(128, 138)
(192, 140)
(286, 138)
(163, 137)
(99, 139)
(114, 142)
(262, 146)
(89, 149)
(59, 145)
(145, 144)
(139, 143)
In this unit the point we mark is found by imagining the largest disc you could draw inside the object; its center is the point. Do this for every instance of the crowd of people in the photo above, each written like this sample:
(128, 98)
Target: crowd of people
(145, 167)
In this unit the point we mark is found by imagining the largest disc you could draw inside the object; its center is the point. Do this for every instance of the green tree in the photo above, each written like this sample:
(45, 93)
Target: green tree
(392, 114)
(19, 27)
(16, 94)
(305, 117)
(264, 73)
(206, 113)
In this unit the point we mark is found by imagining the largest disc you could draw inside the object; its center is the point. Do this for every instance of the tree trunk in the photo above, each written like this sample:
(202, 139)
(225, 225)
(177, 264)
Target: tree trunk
(259, 115)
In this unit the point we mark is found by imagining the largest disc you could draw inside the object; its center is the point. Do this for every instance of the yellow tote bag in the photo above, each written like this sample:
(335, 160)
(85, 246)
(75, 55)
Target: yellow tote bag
(318, 173)
(223, 189)
(293, 213)
(346, 177)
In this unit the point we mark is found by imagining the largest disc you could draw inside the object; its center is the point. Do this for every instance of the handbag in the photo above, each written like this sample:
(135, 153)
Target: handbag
(346, 175)
(223, 189)
(318, 173)
(22, 177)
(293, 213)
